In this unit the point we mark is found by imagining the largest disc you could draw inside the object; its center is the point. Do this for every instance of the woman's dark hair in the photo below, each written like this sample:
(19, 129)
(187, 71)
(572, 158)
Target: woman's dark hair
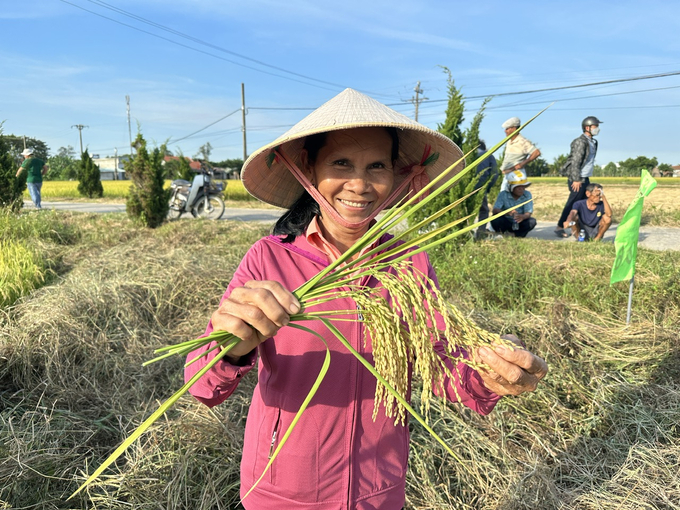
(295, 221)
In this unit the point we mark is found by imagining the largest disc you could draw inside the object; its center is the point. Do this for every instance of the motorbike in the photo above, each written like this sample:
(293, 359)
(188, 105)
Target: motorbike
(202, 197)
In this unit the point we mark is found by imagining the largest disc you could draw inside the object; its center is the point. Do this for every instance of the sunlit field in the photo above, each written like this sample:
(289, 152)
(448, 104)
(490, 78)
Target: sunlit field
(662, 206)
(118, 190)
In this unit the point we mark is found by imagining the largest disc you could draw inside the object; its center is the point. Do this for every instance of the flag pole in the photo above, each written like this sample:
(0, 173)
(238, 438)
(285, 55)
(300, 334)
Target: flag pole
(630, 299)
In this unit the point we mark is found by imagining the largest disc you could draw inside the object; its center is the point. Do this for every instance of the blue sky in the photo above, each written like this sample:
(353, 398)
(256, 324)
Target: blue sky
(61, 66)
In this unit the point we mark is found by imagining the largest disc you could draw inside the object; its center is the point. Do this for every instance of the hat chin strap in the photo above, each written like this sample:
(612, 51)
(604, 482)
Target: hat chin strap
(417, 180)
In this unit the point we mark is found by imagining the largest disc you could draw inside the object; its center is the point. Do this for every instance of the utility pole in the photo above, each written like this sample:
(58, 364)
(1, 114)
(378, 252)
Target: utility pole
(243, 117)
(80, 132)
(115, 164)
(416, 100)
(127, 100)
(24, 142)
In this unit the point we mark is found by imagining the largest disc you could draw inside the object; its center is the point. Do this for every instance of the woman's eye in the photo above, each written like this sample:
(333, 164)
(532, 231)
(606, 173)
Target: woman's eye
(341, 162)
(378, 164)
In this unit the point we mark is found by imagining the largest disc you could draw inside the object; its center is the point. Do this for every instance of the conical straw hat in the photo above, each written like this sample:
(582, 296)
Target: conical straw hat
(270, 181)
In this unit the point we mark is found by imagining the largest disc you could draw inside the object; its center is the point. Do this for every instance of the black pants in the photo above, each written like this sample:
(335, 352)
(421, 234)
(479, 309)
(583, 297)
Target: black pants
(504, 224)
(483, 213)
(574, 196)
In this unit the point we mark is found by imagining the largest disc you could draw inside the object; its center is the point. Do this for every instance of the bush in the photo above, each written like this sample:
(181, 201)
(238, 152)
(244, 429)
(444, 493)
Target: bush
(11, 187)
(90, 184)
(147, 201)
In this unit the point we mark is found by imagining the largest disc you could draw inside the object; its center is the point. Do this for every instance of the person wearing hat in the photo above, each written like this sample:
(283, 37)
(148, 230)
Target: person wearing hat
(36, 168)
(579, 168)
(334, 172)
(518, 221)
(519, 151)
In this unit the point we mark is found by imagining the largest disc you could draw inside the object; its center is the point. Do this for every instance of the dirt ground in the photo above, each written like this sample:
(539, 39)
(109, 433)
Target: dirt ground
(662, 206)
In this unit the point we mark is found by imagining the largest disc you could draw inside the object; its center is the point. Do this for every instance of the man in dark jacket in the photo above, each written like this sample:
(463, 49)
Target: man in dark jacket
(487, 173)
(579, 168)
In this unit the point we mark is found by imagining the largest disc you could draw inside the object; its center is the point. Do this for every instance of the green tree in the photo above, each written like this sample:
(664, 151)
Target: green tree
(234, 164)
(468, 140)
(184, 170)
(11, 187)
(557, 164)
(16, 146)
(178, 168)
(665, 168)
(454, 111)
(147, 201)
(632, 167)
(608, 170)
(204, 152)
(63, 166)
(90, 184)
(537, 168)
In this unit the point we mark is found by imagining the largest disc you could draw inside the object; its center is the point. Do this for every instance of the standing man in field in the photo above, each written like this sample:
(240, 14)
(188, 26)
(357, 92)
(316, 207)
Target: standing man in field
(593, 215)
(487, 175)
(579, 168)
(519, 151)
(36, 168)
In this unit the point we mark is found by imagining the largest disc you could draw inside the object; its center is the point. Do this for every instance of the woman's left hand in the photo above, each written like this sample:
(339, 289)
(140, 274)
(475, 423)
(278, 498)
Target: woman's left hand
(511, 372)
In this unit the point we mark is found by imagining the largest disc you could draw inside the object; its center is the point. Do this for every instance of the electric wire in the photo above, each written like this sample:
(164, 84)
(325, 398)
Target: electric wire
(196, 40)
(205, 127)
(195, 49)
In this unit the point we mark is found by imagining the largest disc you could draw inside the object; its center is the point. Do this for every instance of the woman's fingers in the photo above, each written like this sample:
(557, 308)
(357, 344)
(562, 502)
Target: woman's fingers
(512, 371)
(256, 311)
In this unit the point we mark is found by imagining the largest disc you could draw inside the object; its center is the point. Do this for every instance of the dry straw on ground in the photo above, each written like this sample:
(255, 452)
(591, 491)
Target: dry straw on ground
(601, 431)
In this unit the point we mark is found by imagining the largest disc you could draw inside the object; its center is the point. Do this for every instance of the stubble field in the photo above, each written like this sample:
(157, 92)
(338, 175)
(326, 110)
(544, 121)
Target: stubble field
(601, 432)
(662, 206)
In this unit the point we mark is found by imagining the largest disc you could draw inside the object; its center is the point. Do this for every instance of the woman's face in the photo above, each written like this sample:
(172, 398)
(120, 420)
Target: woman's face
(353, 171)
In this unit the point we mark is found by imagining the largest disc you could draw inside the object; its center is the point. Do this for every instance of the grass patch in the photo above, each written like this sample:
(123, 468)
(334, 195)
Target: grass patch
(600, 433)
(526, 275)
(21, 271)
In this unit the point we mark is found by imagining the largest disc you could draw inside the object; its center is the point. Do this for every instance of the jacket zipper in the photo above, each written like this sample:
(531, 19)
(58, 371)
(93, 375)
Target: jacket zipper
(271, 449)
(272, 446)
(354, 406)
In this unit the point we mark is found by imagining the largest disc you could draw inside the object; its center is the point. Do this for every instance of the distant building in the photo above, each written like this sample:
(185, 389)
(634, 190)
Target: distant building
(227, 173)
(193, 163)
(107, 168)
(676, 170)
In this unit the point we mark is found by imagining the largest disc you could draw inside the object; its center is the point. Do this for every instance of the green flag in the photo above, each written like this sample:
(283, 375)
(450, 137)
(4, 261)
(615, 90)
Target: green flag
(627, 232)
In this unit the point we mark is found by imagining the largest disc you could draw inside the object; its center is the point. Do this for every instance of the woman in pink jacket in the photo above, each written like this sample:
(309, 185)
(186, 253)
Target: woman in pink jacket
(334, 171)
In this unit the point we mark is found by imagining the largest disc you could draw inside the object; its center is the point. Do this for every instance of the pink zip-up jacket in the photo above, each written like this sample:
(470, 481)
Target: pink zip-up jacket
(337, 457)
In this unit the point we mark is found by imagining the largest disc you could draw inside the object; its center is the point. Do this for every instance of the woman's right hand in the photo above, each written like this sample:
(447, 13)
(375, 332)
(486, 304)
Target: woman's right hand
(254, 313)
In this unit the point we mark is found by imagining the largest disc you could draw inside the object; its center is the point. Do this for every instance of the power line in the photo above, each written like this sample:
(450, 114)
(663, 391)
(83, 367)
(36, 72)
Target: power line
(191, 47)
(551, 89)
(206, 127)
(205, 43)
(196, 40)
(582, 97)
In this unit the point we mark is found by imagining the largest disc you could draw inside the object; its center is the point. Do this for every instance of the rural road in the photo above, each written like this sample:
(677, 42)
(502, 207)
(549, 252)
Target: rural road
(655, 238)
